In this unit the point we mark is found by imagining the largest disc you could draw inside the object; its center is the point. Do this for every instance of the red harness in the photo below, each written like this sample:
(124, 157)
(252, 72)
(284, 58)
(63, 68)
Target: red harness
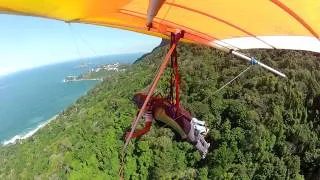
(180, 115)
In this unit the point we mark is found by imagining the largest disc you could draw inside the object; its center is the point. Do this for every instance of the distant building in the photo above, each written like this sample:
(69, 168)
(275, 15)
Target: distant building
(107, 67)
(98, 69)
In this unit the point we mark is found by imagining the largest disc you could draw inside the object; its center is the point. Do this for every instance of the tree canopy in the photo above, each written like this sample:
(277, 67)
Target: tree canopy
(261, 126)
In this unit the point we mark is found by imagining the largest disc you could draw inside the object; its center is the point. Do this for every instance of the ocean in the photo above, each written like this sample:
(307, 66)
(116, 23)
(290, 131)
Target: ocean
(30, 98)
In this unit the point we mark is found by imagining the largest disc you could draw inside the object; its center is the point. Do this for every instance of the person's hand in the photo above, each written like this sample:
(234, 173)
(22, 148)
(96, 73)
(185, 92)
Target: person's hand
(149, 26)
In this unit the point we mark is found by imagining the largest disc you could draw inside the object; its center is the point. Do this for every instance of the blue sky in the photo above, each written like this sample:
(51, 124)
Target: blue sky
(27, 42)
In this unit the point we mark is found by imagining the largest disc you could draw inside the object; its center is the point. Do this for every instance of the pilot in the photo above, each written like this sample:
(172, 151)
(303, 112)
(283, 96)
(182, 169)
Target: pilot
(188, 127)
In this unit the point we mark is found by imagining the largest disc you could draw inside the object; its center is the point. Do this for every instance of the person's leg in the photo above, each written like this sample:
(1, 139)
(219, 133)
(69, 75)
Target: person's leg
(204, 142)
(198, 140)
(203, 150)
(191, 135)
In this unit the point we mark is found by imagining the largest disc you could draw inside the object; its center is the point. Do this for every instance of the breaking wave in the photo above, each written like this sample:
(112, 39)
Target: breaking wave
(27, 134)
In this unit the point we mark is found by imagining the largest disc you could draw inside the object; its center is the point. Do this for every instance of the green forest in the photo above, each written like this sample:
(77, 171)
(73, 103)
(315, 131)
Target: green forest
(261, 126)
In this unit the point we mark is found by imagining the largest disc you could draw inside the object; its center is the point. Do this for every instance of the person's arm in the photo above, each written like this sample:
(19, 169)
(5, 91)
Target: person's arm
(148, 117)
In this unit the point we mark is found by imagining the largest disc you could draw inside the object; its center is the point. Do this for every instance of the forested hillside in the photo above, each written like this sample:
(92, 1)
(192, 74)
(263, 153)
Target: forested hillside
(261, 126)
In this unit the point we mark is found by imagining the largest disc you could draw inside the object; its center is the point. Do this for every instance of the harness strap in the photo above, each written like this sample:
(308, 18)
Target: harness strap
(170, 96)
(150, 93)
(175, 72)
(177, 80)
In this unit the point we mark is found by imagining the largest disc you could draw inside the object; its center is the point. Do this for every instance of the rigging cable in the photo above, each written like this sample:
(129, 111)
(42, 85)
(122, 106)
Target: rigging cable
(74, 33)
(75, 41)
(239, 75)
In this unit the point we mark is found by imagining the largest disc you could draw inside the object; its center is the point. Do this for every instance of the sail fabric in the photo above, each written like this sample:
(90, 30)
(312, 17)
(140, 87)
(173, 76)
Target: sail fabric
(246, 24)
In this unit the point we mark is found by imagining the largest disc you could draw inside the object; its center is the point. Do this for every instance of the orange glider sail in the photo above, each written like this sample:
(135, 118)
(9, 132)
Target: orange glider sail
(281, 24)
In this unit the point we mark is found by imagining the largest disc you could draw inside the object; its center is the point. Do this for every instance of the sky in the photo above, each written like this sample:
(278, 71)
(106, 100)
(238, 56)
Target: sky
(27, 42)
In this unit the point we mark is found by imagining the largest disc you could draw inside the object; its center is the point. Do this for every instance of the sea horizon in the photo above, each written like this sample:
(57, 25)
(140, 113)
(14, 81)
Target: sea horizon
(139, 54)
(29, 99)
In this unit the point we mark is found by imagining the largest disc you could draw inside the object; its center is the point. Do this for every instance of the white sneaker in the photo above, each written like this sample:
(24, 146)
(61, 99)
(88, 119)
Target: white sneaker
(196, 121)
(207, 145)
(201, 129)
(204, 155)
(205, 132)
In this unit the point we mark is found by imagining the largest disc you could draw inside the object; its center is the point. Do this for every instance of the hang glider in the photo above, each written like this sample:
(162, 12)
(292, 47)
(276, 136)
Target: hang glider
(227, 25)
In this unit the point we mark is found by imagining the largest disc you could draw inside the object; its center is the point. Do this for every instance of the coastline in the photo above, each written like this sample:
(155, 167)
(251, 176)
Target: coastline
(95, 79)
(27, 134)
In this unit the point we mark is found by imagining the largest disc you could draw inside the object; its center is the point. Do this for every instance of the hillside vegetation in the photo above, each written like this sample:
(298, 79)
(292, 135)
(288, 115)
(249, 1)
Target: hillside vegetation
(261, 126)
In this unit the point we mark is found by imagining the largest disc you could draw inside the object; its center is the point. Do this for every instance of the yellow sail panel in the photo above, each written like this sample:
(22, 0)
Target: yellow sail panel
(257, 22)
(51, 9)
(305, 12)
(257, 17)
